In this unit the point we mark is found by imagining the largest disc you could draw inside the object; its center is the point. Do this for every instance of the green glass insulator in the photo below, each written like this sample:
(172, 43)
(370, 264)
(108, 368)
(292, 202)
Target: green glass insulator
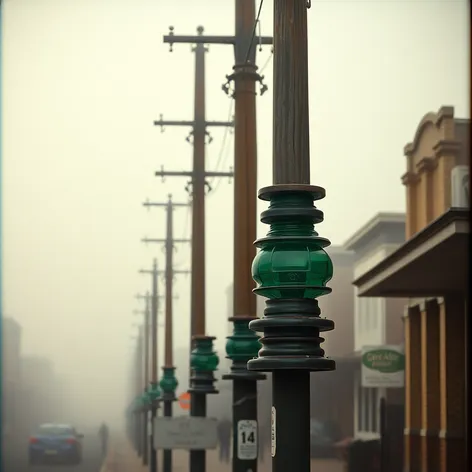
(203, 357)
(243, 344)
(168, 381)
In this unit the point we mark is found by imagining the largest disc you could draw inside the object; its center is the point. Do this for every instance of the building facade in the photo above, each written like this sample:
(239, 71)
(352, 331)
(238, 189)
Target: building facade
(332, 392)
(11, 355)
(377, 321)
(431, 269)
(38, 384)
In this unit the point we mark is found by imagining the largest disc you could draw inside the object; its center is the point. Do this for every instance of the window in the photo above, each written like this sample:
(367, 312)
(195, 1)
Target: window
(55, 430)
(359, 405)
(375, 312)
(368, 410)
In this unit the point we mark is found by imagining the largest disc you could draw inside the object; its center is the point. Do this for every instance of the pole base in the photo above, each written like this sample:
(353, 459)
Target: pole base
(291, 338)
(202, 382)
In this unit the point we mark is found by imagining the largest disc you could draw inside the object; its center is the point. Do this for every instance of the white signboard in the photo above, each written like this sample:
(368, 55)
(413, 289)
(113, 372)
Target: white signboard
(247, 440)
(273, 432)
(383, 366)
(185, 432)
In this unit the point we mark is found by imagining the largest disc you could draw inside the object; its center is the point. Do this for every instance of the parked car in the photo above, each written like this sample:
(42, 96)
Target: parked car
(58, 443)
(323, 439)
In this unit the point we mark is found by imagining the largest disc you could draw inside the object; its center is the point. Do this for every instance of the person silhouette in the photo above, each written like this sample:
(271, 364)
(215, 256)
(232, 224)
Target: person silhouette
(224, 438)
(103, 433)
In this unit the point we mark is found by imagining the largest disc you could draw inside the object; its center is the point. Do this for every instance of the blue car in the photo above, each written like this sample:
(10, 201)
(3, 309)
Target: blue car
(56, 443)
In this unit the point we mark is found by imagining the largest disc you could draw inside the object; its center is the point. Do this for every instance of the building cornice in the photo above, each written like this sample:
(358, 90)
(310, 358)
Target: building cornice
(371, 227)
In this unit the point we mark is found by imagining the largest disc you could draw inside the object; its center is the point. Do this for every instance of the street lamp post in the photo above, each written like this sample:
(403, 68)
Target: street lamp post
(291, 269)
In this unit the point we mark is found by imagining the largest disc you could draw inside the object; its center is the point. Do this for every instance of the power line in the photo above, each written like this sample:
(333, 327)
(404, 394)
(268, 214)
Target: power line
(225, 135)
(228, 149)
(266, 63)
(254, 31)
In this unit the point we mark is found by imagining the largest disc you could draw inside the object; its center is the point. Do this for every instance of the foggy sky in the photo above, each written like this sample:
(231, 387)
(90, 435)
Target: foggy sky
(83, 82)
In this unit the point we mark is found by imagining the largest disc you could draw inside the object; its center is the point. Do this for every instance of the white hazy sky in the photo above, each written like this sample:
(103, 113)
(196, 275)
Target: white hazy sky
(83, 82)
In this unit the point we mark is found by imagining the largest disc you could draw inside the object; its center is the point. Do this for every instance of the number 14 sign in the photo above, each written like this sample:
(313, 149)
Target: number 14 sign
(247, 440)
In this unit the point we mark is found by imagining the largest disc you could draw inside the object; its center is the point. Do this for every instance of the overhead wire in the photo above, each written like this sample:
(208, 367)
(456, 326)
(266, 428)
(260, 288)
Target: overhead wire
(225, 159)
(225, 136)
(254, 30)
(223, 145)
(266, 63)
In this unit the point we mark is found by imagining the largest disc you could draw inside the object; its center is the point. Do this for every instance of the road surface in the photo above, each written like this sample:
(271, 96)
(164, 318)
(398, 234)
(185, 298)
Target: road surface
(127, 461)
(16, 459)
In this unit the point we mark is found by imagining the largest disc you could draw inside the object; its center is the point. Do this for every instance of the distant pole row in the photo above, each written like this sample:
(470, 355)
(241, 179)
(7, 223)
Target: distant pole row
(168, 382)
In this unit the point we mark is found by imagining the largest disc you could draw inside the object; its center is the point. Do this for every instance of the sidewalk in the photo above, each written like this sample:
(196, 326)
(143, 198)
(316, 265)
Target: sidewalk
(123, 458)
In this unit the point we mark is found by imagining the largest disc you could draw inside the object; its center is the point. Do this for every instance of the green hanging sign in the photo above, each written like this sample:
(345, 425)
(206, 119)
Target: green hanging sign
(384, 360)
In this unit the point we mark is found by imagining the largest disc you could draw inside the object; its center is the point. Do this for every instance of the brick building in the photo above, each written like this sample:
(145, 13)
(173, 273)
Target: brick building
(431, 269)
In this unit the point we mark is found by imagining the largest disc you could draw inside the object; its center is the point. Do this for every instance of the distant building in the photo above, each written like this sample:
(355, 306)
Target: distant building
(332, 392)
(38, 390)
(377, 321)
(11, 375)
(339, 306)
(431, 269)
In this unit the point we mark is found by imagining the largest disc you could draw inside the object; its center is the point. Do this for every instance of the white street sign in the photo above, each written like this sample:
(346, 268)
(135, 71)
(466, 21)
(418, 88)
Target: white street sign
(186, 432)
(383, 366)
(247, 440)
(273, 432)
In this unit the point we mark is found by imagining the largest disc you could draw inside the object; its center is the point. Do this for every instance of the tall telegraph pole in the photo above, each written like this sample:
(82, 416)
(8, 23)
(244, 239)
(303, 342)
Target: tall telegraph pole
(243, 344)
(203, 359)
(168, 382)
(291, 269)
(197, 176)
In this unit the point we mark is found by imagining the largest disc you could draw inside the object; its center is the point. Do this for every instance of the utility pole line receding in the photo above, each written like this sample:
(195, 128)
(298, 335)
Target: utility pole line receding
(145, 431)
(139, 385)
(153, 393)
(168, 382)
(169, 242)
(203, 359)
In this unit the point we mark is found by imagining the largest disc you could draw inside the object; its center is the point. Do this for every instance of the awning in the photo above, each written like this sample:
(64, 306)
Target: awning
(433, 262)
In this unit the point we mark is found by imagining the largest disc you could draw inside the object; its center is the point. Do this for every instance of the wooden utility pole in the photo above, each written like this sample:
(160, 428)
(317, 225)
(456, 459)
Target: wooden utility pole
(243, 344)
(203, 359)
(197, 176)
(294, 279)
(168, 382)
